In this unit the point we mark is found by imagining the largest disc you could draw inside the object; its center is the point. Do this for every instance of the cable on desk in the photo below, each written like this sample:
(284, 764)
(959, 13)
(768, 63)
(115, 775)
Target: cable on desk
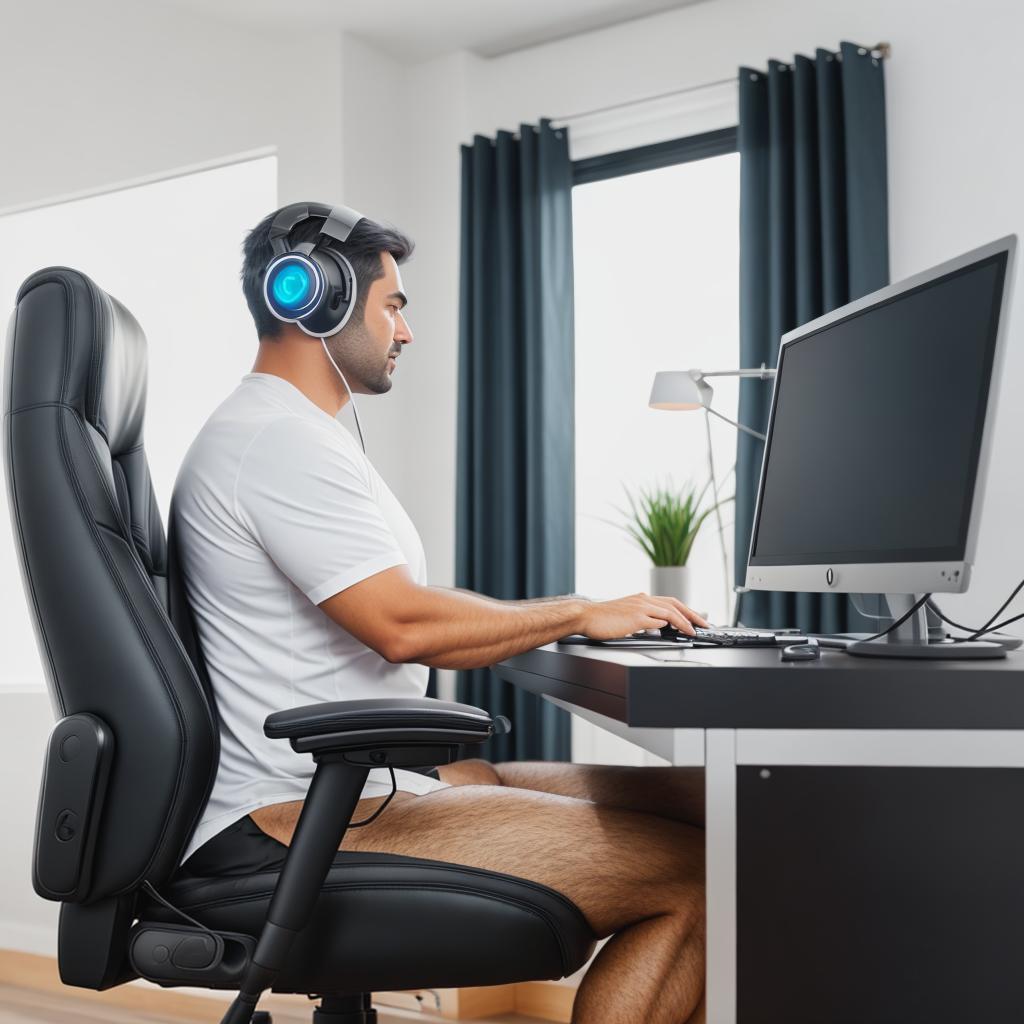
(990, 629)
(947, 620)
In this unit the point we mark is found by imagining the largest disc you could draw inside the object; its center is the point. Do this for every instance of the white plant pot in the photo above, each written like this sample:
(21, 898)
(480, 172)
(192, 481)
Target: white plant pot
(671, 581)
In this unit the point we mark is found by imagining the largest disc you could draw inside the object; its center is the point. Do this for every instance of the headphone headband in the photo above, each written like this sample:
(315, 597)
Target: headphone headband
(338, 224)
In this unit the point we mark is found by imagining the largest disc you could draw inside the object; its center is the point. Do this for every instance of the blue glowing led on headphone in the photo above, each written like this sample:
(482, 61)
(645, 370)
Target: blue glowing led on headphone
(292, 286)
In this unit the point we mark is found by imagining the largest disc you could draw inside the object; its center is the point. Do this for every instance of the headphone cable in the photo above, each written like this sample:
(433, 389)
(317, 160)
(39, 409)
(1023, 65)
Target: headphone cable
(351, 398)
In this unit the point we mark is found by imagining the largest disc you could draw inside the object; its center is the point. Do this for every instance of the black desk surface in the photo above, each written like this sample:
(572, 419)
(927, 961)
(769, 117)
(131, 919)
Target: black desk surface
(753, 689)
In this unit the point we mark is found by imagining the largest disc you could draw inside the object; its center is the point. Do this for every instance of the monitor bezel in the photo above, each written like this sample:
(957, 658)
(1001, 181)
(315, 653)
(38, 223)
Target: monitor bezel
(949, 576)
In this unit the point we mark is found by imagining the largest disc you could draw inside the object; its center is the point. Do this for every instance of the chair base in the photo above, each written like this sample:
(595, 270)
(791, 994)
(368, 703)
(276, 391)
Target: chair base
(345, 1010)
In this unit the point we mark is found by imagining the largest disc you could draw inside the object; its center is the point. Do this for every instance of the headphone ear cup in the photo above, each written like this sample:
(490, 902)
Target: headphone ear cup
(293, 285)
(335, 307)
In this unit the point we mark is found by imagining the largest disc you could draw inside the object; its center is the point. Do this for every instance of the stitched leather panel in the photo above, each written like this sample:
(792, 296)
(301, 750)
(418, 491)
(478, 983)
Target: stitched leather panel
(147, 529)
(184, 623)
(106, 467)
(387, 922)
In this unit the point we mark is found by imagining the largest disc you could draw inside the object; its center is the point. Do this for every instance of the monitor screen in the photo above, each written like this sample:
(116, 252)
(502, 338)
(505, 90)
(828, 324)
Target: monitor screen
(876, 428)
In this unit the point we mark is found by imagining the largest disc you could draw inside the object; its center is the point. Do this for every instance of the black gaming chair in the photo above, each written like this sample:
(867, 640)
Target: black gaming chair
(131, 760)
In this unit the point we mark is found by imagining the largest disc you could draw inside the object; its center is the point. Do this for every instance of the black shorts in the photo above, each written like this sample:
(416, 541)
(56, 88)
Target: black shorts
(243, 848)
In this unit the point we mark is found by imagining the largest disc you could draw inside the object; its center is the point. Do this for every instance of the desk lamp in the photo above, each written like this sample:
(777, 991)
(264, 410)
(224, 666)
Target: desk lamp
(689, 389)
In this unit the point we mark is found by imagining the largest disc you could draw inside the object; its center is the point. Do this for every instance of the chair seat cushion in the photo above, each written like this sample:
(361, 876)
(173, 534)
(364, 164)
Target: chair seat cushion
(386, 922)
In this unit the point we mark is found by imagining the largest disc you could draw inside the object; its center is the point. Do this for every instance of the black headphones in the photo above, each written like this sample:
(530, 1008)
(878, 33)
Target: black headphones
(311, 284)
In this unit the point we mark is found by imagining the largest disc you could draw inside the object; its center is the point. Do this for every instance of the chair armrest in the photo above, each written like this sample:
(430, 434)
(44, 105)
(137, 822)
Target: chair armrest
(346, 739)
(382, 725)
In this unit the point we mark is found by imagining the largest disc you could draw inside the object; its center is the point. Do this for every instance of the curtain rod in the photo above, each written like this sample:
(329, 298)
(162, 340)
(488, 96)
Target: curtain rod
(880, 51)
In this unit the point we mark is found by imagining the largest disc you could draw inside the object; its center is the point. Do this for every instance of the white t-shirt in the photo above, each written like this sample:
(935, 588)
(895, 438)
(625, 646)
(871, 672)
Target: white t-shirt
(276, 509)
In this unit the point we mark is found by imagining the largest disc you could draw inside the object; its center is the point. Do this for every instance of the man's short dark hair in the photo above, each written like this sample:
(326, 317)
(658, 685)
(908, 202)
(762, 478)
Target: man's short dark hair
(363, 248)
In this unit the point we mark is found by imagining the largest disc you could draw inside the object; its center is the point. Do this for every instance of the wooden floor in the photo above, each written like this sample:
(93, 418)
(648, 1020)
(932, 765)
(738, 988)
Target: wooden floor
(28, 1006)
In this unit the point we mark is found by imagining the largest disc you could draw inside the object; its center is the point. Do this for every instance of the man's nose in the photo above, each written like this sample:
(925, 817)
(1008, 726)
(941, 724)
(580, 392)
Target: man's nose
(403, 332)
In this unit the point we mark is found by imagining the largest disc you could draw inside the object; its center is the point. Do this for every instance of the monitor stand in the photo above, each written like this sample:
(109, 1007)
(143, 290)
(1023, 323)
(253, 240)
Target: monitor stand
(911, 639)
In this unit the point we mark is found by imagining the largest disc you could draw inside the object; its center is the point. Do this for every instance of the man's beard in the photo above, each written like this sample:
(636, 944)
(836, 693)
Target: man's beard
(354, 351)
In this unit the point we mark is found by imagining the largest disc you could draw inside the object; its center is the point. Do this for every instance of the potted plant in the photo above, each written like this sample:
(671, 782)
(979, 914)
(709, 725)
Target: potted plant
(665, 523)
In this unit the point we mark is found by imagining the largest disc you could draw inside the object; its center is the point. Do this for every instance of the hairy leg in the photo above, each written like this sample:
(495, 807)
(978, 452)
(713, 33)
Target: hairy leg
(676, 793)
(633, 875)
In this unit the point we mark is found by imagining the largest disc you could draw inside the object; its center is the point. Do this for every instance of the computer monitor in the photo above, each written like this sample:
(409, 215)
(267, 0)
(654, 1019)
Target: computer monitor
(878, 440)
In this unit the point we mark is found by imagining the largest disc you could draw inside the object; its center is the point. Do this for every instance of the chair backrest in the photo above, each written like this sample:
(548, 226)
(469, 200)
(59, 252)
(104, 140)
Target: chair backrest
(94, 563)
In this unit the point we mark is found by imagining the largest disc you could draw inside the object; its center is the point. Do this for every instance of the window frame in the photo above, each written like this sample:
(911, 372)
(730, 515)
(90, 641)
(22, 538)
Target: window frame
(654, 156)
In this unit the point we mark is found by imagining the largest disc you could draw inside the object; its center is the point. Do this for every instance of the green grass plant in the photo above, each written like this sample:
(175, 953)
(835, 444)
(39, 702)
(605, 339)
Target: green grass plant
(665, 521)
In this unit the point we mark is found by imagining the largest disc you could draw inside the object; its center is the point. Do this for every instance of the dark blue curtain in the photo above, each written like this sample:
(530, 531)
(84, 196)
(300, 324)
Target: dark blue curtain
(515, 507)
(813, 235)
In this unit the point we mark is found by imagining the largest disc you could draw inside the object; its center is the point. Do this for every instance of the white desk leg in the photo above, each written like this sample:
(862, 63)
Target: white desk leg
(720, 783)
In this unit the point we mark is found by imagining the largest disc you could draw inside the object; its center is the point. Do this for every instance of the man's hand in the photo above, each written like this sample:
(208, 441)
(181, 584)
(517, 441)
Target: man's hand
(611, 620)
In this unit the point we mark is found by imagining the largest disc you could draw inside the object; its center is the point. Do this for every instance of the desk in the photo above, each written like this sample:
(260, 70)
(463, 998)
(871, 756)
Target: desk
(865, 822)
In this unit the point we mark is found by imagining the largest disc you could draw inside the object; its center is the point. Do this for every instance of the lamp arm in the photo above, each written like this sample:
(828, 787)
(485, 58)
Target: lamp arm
(762, 373)
(738, 426)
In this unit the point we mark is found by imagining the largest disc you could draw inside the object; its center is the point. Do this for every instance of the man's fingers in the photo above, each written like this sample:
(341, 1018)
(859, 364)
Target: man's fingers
(690, 613)
(668, 607)
(683, 609)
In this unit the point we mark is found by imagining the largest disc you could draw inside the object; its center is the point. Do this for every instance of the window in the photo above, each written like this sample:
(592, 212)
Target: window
(656, 251)
(171, 252)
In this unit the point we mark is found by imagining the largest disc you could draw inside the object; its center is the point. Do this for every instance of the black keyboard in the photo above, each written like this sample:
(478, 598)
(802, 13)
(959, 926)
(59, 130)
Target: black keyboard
(728, 637)
(723, 636)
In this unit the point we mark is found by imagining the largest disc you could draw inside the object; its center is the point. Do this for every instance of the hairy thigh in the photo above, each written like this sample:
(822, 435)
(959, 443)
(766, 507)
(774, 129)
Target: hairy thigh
(668, 792)
(618, 866)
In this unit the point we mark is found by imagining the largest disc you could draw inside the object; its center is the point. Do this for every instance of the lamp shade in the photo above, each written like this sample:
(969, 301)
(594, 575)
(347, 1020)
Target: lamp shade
(680, 389)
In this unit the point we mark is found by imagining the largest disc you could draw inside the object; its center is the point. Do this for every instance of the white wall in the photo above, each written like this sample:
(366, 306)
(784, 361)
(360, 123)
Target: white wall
(437, 114)
(374, 170)
(26, 922)
(104, 91)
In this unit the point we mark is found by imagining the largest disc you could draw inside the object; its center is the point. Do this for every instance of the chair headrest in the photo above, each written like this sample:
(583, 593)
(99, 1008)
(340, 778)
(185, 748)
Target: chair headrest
(90, 353)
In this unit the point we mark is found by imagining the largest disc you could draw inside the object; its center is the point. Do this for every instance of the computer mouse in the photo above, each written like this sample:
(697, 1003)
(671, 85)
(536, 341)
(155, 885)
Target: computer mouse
(665, 633)
(802, 652)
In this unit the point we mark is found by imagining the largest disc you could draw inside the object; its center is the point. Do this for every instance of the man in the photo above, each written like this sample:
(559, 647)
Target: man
(308, 583)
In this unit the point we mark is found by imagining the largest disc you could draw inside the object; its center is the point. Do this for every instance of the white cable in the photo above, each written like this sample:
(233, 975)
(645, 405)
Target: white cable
(718, 517)
(351, 399)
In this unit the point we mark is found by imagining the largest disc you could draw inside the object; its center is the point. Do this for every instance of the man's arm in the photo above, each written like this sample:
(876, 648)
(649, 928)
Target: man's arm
(405, 622)
(524, 600)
